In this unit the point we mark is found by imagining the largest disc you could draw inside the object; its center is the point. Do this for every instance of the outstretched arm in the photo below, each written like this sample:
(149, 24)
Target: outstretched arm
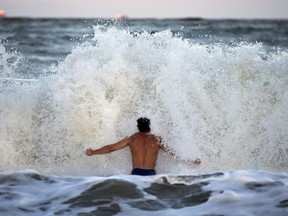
(109, 148)
(170, 152)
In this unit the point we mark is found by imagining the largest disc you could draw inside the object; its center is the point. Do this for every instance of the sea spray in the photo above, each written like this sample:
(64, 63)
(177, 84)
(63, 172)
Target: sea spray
(226, 105)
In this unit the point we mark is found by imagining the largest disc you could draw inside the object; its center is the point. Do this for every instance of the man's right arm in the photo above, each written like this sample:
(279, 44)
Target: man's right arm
(173, 154)
(168, 150)
(165, 148)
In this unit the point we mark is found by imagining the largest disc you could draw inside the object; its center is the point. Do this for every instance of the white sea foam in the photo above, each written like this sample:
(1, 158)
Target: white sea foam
(228, 193)
(224, 105)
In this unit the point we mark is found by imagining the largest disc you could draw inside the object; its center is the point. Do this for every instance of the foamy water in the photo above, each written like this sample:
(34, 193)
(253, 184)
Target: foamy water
(225, 105)
(229, 193)
(222, 101)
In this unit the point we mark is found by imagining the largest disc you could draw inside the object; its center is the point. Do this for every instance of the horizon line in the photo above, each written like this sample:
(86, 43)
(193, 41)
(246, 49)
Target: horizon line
(144, 18)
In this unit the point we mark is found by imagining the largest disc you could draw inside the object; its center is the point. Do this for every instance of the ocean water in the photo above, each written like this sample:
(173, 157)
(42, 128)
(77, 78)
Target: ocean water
(213, 89)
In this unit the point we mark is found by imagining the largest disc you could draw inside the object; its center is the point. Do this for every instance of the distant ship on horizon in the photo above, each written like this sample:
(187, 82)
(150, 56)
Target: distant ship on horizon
(2, 13)
(120, 16)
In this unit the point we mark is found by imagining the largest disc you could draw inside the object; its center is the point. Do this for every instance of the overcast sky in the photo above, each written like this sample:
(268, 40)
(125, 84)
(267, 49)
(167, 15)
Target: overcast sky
(147, 8)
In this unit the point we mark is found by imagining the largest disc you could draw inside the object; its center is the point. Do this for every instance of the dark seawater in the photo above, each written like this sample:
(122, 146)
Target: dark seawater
(213, 89)
(229, 193)
(44, 42)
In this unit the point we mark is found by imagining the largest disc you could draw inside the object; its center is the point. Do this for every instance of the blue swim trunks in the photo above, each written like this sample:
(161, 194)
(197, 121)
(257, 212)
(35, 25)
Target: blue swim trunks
(143, 172)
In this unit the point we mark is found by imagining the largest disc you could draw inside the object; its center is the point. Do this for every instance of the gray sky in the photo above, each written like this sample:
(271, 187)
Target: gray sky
(147, 8)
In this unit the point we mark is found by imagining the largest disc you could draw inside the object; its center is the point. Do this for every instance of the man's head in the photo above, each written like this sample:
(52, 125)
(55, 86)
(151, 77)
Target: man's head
(143, 124)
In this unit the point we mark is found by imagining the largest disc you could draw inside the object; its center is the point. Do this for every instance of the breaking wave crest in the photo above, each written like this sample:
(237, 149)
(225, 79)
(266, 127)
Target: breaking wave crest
(224, 104)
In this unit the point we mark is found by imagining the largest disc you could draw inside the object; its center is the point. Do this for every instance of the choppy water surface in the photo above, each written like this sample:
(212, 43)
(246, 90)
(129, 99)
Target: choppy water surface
(229, 193)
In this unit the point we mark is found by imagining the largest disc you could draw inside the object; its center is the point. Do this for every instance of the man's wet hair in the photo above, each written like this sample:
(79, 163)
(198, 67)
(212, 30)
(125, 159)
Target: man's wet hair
(143, 124)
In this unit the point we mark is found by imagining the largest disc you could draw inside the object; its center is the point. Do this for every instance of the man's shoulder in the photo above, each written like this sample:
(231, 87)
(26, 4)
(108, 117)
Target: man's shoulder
(150, 135)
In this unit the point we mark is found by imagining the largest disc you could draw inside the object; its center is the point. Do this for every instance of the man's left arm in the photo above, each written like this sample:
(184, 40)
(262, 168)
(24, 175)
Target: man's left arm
(109, 148)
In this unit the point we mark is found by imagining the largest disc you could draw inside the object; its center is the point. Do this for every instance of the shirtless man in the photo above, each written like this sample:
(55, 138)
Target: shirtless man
(144, 148)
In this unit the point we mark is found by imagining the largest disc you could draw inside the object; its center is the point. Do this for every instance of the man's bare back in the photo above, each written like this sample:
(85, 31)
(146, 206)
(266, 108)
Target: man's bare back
(144, 148)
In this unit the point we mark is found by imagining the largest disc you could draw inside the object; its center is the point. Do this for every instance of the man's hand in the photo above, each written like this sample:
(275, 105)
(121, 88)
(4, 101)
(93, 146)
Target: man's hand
(197, 161)
(89, 152)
